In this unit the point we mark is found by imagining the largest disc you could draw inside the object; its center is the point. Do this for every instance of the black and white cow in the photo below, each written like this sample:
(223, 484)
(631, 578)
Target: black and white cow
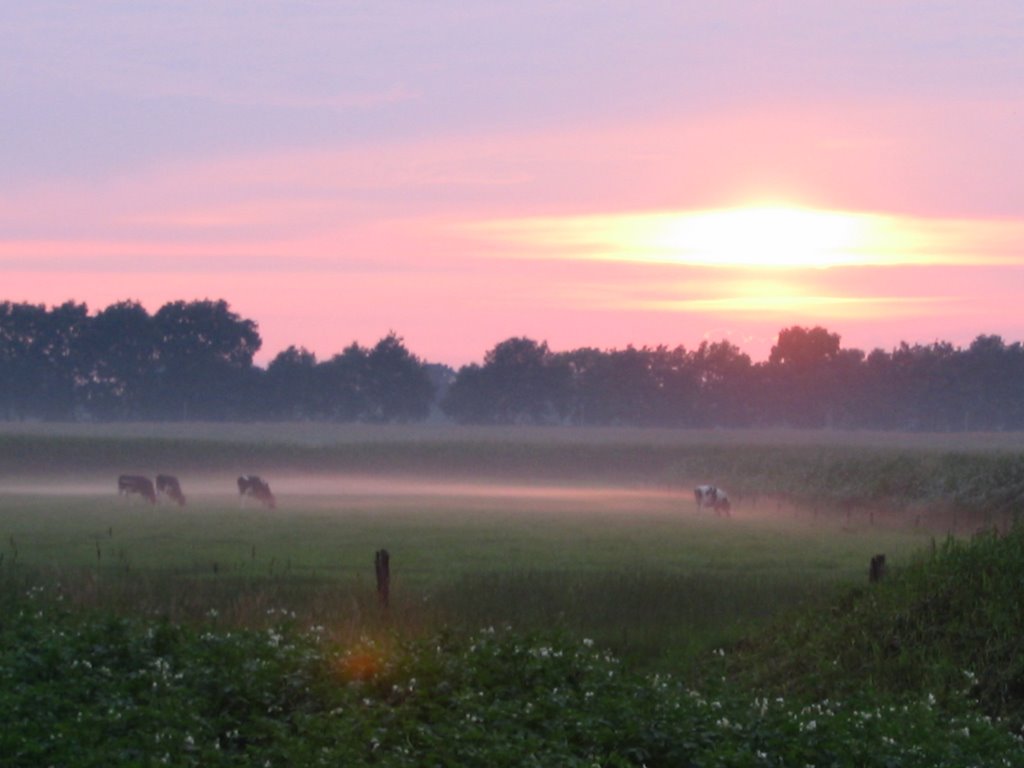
(143, 486)
(168, 485)
(712, 497)
(256, 488)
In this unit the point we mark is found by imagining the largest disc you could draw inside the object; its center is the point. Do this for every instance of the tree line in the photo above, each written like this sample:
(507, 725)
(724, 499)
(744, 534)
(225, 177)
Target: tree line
(191, 360)
(194, 360)
(808, 381)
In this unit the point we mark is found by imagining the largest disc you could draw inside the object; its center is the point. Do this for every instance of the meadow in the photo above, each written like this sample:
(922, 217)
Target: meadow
(592, 530)
(572, 551)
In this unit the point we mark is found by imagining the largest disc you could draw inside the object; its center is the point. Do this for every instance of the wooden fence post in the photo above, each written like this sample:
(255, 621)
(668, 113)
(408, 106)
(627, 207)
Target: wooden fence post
(877, 570)
(382, 563)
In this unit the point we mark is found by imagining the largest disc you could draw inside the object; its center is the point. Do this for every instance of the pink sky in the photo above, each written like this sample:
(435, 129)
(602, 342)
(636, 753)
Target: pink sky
(337, 172)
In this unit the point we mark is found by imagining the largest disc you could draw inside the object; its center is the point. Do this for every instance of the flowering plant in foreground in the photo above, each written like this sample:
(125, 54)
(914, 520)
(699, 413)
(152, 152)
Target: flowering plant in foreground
(79, 689)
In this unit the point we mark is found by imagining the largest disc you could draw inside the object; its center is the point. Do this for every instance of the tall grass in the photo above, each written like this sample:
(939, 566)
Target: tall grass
(951, 623)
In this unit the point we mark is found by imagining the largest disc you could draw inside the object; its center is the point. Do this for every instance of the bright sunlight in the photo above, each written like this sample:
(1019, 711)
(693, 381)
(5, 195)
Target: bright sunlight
(761, 236)
(775, 236)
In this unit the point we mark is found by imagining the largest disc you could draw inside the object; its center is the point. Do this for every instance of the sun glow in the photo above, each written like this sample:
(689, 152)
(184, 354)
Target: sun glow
(763, 237)
(769, 237)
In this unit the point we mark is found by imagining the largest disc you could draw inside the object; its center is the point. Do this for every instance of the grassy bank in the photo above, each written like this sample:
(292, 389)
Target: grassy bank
(951, 625)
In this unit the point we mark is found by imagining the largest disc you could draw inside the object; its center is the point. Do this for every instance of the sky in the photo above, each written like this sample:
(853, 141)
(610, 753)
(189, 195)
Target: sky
(582, 173)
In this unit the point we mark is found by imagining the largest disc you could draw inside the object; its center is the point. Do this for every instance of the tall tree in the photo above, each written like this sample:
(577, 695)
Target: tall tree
(991, 375)
(398, 386)
(521, 381)
(341, 385)
(724, 376)
(40, 362)
(928, 388)
(803, 377)
(121, 347)
(290, 385)
(206, 353)
(21, 360)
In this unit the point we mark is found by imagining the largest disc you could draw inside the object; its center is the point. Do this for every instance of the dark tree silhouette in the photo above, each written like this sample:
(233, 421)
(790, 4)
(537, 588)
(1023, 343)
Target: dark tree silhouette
(341, 385)
(195, 360)
(991, 377)
(724, 377)
(206, 350)
(122, 348)
(521, 381)
(802, 377)
(290, 385)
(398, 386)
(40, 364)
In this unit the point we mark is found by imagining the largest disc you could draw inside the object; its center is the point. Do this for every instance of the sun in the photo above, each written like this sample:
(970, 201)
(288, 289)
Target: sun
(765, 236)
(777, 236)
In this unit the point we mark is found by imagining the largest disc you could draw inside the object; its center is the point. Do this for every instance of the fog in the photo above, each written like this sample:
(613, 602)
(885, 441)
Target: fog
(305, 491)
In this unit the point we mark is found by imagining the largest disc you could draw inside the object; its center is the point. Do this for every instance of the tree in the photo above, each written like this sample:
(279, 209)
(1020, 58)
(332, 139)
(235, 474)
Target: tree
(521, 381)
(804, 349)
(40, 362)
(927, 385)
(206, 353)
(470, 399)
(802, 376)
(121, 347)
(398, 384)
(723, 375)
(991, 375)
(341, 385)
(290, 384)
(21, 361)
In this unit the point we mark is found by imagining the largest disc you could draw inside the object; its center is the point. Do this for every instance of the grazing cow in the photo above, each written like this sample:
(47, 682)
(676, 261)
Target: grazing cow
(143, 486)
(254, 486)
(168, 485)
(713, 497)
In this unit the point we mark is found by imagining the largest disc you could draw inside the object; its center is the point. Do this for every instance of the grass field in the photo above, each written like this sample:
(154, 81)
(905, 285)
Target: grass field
(555, 594)
(595, 531)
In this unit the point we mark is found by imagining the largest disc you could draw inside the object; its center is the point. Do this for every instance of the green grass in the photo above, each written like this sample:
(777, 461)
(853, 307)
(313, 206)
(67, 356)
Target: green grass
(652, 580)
(951, 624)
(570, 609)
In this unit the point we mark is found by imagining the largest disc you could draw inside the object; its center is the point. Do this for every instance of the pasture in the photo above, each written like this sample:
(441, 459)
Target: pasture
(592, 531)
(556, 598)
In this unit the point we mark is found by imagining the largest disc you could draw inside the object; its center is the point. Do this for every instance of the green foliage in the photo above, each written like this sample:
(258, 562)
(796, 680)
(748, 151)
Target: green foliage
(83, 689)
(950, 625)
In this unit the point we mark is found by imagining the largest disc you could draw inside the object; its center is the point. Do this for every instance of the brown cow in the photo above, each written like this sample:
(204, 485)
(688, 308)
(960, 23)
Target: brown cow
(168, 485)
(255, 487)
(143, 486)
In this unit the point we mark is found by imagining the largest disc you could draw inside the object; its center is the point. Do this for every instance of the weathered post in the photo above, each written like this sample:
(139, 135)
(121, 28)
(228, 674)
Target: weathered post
(382, 562)
(877, 570)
